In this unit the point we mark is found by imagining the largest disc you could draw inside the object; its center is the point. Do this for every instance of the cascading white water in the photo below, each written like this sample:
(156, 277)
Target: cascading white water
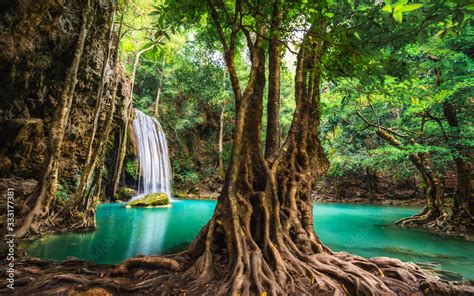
(154, 162)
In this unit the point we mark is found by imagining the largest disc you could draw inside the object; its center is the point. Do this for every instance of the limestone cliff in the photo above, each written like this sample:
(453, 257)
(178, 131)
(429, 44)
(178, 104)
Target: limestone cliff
(37, 41)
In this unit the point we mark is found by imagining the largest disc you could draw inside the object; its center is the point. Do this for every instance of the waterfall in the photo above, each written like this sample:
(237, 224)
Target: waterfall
(154, 162)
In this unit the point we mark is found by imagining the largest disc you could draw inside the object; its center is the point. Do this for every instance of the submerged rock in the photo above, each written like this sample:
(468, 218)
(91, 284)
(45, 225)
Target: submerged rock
(151, 200)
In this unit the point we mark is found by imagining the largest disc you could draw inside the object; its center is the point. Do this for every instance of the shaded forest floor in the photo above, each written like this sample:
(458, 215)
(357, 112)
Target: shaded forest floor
(351, 191)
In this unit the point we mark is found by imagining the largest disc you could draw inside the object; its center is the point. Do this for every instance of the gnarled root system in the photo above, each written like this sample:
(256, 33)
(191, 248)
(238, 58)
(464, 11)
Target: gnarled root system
(320, 274)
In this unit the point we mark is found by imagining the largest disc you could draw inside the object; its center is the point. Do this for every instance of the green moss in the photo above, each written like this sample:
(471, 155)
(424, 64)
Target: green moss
(125, 193)
(62, 193)
(151, 200)
(132, 169)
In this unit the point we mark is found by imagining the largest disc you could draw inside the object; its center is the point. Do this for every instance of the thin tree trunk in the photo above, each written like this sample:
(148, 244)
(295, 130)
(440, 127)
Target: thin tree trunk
(47, 185)
(89, 203)
(371, 179)
(436, 212)
(221, 143)
(463, 199)
(221, 134)
(89, 164)
(274, 65)
(128, 106)
(160, 87)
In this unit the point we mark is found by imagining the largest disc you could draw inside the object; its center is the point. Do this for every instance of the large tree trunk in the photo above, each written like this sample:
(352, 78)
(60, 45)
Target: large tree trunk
(463, 199)
(274, 64)
(45, 192)
(262, 230)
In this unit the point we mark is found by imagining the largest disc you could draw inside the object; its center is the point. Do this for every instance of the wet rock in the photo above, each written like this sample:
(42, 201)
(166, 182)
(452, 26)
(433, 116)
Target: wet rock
(151, 200)
(22, 146)
(124, 194)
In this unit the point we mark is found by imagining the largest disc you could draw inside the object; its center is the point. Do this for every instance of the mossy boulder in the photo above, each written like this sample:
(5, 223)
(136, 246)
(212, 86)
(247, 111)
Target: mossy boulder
(151, 200)
(124, 193)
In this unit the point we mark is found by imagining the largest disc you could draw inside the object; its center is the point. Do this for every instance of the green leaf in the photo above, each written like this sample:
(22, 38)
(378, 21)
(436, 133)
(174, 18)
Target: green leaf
(470, 7)
(398, 17)
(410, 7)
(399, 5)
(357, 35)
(421, 37)
(387, 8)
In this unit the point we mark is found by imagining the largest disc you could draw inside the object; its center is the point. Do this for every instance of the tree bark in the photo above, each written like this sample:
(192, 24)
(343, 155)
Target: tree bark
(221, 134)
(221, 143)
(274, 65)
(45, 191)
(90, 162)
(463, 199)
(371, 179)
(160, 87)
(436, 212)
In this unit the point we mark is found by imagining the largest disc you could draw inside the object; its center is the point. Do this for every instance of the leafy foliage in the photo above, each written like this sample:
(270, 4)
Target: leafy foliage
(377, 63)
(131, 169)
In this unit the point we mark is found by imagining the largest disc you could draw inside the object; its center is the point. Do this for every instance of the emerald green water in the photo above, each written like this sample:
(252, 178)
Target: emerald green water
(359, 229)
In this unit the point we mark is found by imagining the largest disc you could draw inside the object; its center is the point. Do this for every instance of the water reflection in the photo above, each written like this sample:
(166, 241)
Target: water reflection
(359, 229)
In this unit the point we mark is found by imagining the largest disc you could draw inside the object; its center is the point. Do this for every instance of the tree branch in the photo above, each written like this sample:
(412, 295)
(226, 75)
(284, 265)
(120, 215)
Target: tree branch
(379, 127)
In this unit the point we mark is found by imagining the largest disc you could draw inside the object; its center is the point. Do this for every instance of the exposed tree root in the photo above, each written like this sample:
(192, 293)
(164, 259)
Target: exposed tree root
(419, 219)
(321, 274)
(149, 262)
(438, 221)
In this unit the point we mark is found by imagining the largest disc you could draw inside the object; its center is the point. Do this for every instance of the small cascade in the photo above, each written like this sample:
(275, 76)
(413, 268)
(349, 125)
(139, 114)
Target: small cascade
(154, 162)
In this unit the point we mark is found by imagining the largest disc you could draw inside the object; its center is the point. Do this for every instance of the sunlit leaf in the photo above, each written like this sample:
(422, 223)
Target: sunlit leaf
(398, 16)
(387, 8)
(410, 7)
(398, 5)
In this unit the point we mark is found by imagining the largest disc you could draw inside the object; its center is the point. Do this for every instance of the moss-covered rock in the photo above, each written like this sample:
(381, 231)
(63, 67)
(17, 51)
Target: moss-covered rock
(151, 200)
(124, 194)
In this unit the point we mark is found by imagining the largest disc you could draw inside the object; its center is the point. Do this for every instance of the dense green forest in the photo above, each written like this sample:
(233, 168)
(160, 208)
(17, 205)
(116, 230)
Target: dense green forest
(383, 104)
(282, 113)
